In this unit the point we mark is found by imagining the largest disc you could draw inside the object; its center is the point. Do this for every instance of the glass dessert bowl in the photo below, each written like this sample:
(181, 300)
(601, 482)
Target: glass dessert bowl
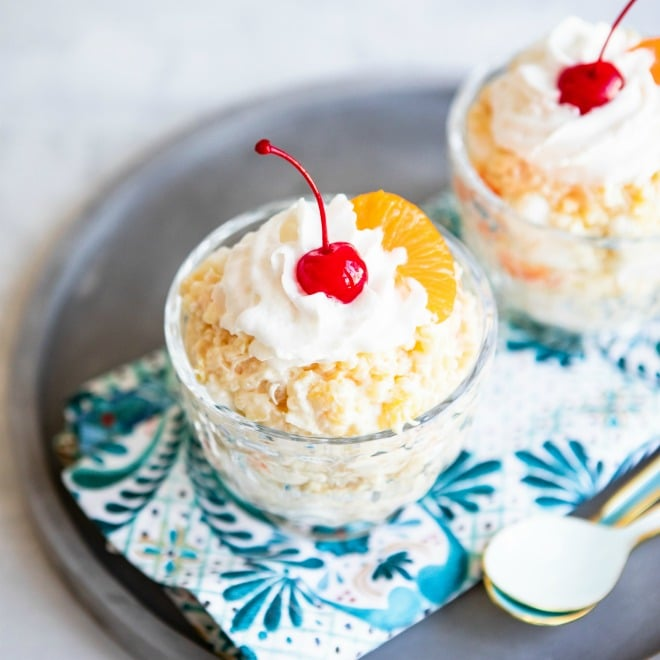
(316, 481)
(553, 201)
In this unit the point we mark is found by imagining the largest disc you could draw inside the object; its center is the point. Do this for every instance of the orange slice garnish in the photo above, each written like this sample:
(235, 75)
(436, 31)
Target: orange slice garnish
(405, 225)
(654, 46)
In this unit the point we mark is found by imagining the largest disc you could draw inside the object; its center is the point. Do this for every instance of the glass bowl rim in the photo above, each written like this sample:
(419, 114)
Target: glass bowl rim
(461, 162)
(185, 374)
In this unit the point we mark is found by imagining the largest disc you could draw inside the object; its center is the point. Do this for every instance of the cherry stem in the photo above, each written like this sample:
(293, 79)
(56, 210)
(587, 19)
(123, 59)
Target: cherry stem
(264, 147)
(615, 25)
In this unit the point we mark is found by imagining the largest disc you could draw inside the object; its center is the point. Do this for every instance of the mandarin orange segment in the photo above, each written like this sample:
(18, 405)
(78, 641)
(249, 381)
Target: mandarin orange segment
(654, 46)
(405, 225)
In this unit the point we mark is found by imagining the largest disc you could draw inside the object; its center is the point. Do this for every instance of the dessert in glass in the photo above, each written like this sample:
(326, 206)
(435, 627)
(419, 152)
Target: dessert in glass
(330, 382)
(556, 169)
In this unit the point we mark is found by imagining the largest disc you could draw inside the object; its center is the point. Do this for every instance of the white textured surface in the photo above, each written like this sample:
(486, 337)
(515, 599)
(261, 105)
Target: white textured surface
(87, 86)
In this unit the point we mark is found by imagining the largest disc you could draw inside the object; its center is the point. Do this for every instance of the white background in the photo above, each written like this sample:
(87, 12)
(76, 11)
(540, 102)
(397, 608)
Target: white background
(87, 85)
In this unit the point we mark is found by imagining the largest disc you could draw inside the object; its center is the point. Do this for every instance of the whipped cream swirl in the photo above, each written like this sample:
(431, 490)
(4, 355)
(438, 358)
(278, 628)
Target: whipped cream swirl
(261, 297)
(616, 143)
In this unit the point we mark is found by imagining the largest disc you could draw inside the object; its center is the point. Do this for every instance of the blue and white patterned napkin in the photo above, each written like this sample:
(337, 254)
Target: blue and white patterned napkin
(556, 425)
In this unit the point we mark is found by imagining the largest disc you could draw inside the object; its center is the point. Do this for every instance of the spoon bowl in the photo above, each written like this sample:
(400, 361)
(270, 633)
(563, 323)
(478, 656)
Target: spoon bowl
(562, 565)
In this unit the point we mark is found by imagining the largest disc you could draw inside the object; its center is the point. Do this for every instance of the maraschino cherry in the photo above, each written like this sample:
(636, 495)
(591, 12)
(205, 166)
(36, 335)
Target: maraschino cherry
(335, 269)
(590, 85)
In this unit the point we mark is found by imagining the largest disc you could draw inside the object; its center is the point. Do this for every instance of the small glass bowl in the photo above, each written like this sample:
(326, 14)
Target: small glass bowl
(553, 277)
(326, 485)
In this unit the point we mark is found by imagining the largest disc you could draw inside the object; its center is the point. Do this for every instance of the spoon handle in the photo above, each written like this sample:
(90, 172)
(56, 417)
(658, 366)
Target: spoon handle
(635, 497)
(644, 527)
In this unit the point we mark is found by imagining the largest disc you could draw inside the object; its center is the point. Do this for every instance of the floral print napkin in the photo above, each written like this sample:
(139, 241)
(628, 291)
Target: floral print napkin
(558, 421)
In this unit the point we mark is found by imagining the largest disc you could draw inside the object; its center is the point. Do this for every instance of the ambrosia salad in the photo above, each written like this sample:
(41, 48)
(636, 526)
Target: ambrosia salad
(309, 364)
(568, 219)
(330, 385)
(594, 174)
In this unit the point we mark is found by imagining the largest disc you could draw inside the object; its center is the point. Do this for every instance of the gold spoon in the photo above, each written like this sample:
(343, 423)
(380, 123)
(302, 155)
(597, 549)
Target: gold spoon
(625, 505)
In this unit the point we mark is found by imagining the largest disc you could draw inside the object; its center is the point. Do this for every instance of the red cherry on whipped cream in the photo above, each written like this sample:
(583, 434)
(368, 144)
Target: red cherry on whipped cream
(335, 269)
(590, 85)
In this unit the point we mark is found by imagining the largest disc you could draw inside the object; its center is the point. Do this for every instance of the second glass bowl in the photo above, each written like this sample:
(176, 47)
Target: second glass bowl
(327, 483)
(557, 278)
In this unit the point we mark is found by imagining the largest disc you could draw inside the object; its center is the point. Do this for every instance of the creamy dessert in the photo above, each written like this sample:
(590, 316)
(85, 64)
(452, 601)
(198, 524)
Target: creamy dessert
(309, 364)
(565, 204)
(316, 402)
(595, 174)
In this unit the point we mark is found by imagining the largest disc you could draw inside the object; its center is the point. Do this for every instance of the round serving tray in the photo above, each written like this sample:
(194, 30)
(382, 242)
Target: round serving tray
(99, 302)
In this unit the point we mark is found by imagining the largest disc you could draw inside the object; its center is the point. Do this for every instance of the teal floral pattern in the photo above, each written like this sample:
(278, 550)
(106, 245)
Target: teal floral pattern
(636, 355)
(460, 486)
(262, 587)
(563, 473)
(546, 344)
(393, 564)
(568, 477)
(216, 506)
(97, 420)
(359, 545)
(134, 482)
(252, 588)
(174, 551)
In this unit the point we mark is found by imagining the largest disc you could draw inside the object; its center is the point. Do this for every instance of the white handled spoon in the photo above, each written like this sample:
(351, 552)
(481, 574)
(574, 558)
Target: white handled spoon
(630, 500)
(624, 505)
(563, 564)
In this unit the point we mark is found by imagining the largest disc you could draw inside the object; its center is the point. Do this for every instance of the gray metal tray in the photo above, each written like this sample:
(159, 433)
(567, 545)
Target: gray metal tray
(99, 303)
